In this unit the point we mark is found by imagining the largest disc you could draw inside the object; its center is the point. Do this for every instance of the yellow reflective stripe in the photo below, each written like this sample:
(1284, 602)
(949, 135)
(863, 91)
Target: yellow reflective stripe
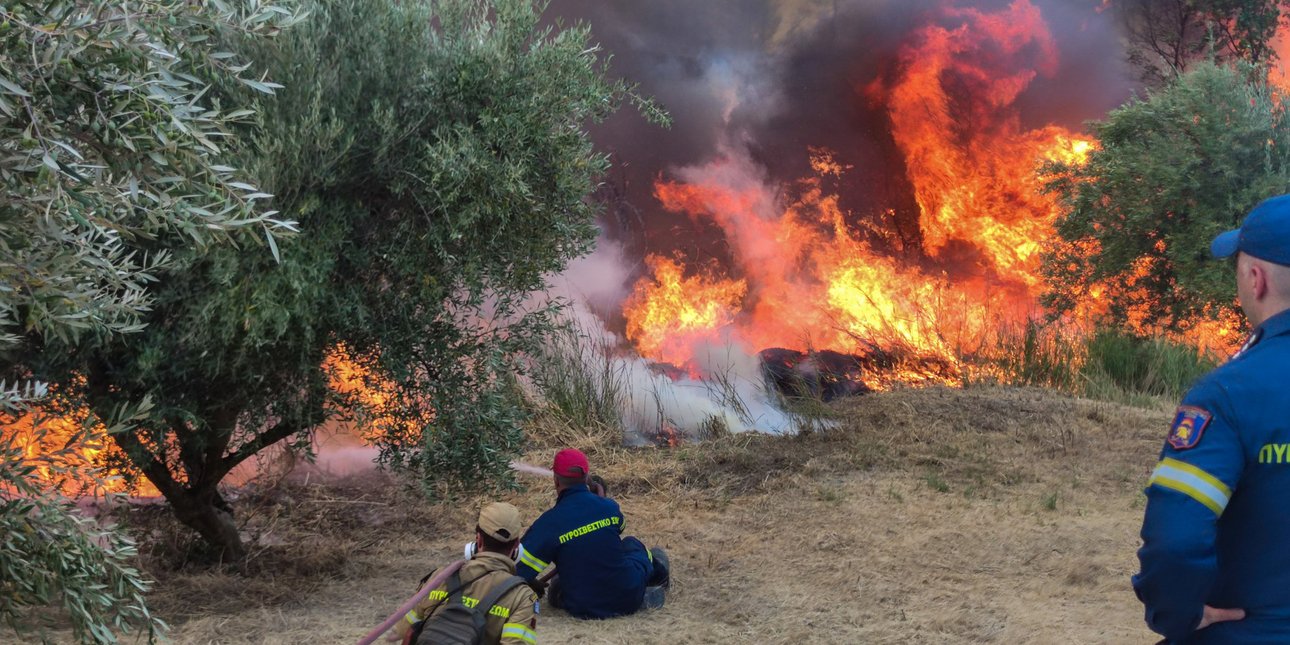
(412, 617)
(516, 630)
(1192, 482)
(1188, 491)
(1206, 477)
(530, 560)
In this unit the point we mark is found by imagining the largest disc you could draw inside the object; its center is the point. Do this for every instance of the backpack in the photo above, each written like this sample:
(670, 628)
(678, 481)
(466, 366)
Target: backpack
(458, 624)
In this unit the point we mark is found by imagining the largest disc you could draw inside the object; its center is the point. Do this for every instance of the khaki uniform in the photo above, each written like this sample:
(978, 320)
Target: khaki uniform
(512, 621)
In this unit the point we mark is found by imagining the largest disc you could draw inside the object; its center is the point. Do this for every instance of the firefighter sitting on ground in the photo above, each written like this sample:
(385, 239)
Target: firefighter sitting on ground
(490, 573)
(599, 573)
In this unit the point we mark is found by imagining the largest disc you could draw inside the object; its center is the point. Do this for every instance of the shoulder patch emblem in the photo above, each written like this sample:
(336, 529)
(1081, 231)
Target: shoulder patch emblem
(1189, 425)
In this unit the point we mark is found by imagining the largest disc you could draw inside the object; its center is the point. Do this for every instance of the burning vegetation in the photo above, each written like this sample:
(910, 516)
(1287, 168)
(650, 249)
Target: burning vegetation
(835, 301)
(858, 196)
(831, 299)
(811, 281)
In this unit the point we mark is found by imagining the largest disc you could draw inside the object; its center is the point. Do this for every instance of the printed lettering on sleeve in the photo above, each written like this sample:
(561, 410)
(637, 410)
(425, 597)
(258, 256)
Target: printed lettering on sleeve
(1189, 425)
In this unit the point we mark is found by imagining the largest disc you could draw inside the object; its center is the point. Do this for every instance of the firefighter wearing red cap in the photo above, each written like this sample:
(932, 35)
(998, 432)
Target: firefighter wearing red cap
(512, 618)
(601, 574)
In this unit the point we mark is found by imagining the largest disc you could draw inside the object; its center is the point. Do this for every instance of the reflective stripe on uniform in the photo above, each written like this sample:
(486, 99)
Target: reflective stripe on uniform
(1193, 482)
(529, 559)
(516, 630)
(412, 617)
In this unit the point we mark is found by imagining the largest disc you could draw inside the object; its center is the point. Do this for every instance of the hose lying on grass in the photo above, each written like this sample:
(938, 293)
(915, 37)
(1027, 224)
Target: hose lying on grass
(430, 585)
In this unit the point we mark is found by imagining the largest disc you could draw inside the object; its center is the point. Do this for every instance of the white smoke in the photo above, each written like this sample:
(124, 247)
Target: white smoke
(730, 390)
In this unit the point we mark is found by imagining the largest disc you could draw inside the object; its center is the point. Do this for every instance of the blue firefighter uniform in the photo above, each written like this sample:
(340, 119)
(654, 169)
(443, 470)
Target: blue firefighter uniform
(1216, 531)
(601, 574)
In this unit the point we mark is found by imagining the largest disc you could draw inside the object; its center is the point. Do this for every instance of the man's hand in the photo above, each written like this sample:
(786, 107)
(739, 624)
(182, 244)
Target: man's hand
(596, 484)
(1214, 615)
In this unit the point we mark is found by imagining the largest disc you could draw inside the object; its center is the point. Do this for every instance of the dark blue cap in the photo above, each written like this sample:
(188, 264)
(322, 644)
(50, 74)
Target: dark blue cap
(1264, 235)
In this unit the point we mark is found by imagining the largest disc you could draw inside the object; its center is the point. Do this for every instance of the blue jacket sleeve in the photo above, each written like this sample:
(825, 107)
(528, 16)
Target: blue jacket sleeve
(1187, 493)
(622, 519)
(537, 550)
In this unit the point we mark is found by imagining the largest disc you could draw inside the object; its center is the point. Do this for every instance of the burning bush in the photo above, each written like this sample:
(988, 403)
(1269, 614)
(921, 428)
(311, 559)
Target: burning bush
(1174, 170)
(805, 274)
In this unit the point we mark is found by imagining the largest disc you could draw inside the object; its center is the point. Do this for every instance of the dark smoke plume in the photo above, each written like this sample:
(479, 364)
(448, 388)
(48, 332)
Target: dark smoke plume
(774, 78)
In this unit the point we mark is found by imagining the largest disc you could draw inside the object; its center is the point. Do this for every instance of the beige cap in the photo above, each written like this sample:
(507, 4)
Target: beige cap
(501, 521)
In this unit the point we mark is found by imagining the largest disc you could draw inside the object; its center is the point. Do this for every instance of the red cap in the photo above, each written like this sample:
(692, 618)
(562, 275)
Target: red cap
(570, 462)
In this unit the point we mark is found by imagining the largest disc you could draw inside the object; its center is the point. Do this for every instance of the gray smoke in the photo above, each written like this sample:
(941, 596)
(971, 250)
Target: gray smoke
(772, 78)
(761, 83)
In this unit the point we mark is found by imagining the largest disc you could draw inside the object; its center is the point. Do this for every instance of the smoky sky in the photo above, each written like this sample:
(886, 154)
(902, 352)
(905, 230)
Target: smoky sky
(777, 77)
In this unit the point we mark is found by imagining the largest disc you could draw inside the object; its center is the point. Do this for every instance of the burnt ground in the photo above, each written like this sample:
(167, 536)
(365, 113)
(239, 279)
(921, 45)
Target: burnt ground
(987, 515)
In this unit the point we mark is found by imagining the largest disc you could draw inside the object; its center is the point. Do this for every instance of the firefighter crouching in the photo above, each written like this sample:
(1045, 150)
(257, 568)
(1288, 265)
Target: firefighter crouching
(599, 572)
(446, 613)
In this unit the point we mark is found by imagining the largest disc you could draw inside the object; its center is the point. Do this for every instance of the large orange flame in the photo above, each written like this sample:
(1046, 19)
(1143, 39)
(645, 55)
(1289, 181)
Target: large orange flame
(971, 164)
(813, 281)
(669, 309)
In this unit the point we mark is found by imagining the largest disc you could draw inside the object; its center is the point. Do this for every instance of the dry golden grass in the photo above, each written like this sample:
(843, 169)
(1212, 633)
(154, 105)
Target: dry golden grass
(925, 516)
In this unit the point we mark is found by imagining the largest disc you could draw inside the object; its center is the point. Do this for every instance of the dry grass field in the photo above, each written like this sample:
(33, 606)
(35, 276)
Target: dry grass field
(987, 515)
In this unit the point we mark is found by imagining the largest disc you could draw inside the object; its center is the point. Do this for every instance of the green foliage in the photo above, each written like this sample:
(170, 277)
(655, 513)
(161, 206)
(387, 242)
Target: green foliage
(113, 163)
(1167, 37)
(435, 157)
(1105, 364)
(1152, 367)
(462, 155)
(51, 554)
(470, 443)
(1038, 355)
(108, 141)
(1170, 173)
(580, 383)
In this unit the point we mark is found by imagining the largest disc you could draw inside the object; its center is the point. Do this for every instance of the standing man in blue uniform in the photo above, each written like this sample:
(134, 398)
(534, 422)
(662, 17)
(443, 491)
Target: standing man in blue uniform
(1216, 533)
(600, 574)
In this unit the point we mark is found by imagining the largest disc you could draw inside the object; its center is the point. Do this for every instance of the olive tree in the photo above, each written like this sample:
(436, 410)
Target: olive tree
(435, 157)
(113, 155)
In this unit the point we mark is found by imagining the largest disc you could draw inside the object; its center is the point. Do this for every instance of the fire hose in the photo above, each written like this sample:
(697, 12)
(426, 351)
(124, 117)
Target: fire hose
(430, 585)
